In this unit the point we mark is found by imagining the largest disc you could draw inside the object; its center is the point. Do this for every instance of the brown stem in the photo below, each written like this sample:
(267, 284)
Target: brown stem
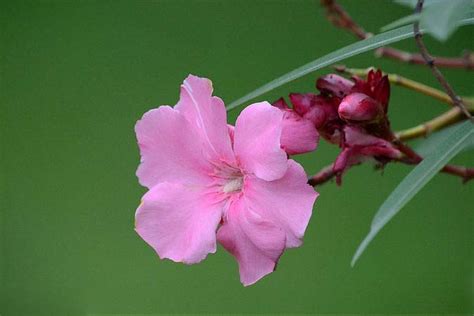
(464, 62)
(431, 63)
(340, 18)
(326, 174)
(465, 173)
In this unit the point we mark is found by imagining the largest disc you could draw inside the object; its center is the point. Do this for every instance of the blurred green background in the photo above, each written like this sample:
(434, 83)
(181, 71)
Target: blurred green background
(76, 76)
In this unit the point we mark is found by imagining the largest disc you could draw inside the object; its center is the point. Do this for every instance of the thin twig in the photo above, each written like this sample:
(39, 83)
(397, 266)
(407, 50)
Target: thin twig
(464, 62)
(340, 18)
(431, 64)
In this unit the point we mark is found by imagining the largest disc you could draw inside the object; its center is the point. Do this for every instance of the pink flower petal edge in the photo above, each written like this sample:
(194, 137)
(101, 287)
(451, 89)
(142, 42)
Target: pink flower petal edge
(179, 222)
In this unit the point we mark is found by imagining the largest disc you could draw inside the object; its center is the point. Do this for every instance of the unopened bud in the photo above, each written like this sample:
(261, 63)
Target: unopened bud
(359, 107)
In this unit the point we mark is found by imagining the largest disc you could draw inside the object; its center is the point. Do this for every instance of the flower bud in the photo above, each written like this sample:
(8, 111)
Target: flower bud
(377, 86)
(334, 84)
(382, 92)
(359, 107)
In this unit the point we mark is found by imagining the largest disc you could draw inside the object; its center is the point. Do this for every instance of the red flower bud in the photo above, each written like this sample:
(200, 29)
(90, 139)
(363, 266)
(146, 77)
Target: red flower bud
(382, 92)
(334, 84)
(359, 107)
(376, 86)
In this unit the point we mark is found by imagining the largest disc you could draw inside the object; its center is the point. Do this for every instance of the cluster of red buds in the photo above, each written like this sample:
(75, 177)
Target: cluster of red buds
(350, 113)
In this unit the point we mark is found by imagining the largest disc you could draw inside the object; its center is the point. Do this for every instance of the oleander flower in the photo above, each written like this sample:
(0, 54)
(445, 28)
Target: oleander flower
(212, 182)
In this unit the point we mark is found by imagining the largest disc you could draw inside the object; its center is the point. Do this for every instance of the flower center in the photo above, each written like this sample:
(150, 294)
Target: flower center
(233, 185)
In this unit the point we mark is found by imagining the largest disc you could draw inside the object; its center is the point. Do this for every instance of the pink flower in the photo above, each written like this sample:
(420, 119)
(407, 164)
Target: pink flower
(298, 134)
(204, 176)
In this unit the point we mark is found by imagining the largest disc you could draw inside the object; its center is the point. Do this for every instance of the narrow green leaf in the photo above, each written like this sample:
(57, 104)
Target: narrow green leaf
(445, 150)
(425, 146)
(409, 19)
(368, 44)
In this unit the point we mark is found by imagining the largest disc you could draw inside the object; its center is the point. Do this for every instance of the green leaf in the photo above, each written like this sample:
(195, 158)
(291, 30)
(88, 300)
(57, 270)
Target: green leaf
(409, 19)
(426, 146)
(445, 150)
(368, 44)
(438, 17)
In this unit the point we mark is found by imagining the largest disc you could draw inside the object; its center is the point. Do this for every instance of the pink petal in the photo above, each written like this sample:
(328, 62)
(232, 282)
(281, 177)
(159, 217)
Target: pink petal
(257, 141)
(169, 149)
(231, 133)
(179, 222)
(382, 92)
(298, 135)
(255, 242)
(287, 202)
(207, 114)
